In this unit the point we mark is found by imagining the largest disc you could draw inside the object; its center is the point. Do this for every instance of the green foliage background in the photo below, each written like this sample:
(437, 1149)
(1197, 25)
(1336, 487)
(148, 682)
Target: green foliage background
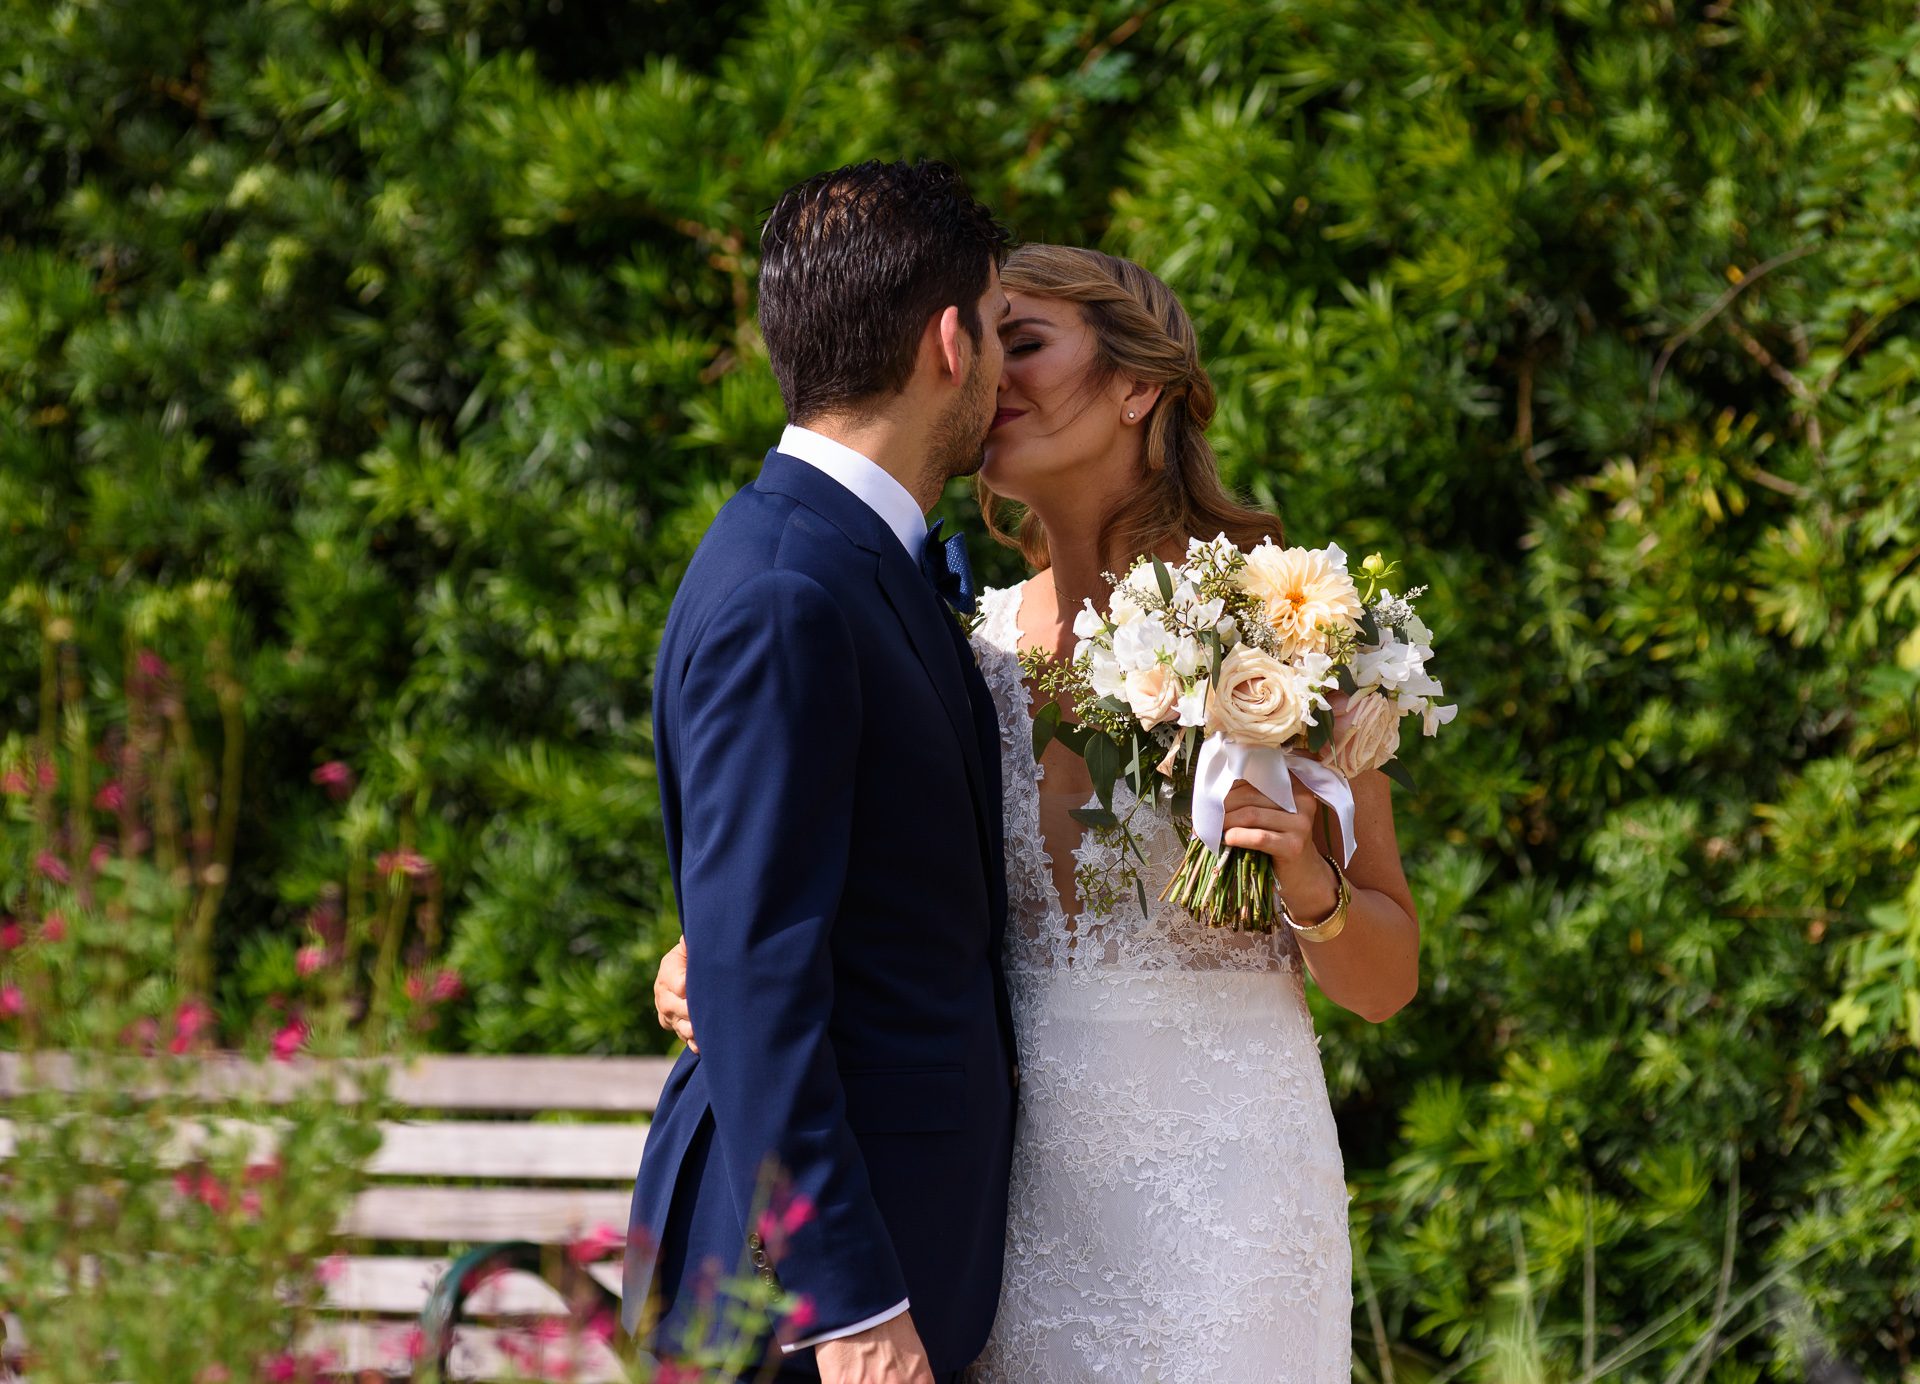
(420, 333)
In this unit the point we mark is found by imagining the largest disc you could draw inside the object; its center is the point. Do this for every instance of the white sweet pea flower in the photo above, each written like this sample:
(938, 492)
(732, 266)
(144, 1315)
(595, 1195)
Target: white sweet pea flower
(1105, 675)
(1193, 706)
(1335, 556)
(1433, 717)
(1140, 644)
(1188, 654)
(1393, 665)
(1088, 622)
(1229, 631)
(1417, 630)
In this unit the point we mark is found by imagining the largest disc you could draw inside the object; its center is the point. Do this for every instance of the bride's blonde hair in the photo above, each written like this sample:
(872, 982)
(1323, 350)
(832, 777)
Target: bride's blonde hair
(1140, 331)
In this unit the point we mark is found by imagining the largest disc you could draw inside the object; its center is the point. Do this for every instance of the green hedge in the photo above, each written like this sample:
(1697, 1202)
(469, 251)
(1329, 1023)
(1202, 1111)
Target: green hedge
(411, 342)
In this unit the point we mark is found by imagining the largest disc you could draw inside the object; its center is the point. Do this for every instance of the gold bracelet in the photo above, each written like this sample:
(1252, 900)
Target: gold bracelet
(1330, 926)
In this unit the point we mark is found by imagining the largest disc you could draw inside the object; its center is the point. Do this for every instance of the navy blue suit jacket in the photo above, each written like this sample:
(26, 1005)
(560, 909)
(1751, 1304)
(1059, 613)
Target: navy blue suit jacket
(829, 773)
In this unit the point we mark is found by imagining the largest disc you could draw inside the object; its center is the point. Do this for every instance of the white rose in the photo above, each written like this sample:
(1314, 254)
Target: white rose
(1366, 735)
(1154, 695)
(1260, 700)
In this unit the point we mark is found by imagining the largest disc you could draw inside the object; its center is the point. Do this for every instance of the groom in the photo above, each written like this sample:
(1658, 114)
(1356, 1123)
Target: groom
(829, 773)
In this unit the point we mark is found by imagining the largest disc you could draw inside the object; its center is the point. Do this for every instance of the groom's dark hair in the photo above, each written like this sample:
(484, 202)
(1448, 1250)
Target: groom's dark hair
(853, 263)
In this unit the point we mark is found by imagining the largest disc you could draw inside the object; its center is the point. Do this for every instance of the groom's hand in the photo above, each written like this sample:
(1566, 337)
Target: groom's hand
(889, 1353)
(670, 994)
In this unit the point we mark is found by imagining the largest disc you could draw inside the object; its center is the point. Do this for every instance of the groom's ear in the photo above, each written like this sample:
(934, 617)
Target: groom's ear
(952, 347)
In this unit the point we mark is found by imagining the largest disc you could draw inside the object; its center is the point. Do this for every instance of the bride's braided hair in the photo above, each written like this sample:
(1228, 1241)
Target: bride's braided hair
(1141, 332)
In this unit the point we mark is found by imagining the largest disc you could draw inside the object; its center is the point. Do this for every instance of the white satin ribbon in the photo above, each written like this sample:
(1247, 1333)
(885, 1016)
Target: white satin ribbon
(1224, 762)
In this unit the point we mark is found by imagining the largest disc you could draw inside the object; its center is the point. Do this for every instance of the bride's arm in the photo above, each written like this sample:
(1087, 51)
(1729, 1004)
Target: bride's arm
(1373, 966)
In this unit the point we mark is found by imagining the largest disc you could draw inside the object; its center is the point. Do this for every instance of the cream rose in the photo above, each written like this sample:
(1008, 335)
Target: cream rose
(1304, 591)
(1154, 694)
(1366, 735)
(1259, 700)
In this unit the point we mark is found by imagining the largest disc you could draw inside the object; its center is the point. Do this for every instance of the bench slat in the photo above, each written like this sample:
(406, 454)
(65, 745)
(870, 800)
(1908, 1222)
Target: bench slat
(537, 1152)
(624, 1085)
(397, 1286)
(532, 1152)
(477, 1353)
(458, 1215)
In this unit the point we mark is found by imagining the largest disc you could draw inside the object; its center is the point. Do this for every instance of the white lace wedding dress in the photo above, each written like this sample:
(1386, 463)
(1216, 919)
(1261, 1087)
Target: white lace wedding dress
(1178, 1213)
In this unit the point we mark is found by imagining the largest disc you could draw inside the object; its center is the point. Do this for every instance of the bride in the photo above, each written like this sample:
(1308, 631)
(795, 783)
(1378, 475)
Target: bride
(1178, 1209)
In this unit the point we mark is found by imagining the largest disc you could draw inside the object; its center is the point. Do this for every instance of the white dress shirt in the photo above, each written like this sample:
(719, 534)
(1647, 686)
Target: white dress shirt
(871, 485)
(889, 499)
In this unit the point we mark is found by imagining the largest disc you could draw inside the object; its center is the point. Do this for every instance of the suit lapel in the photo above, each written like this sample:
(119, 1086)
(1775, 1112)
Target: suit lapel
(929, 629)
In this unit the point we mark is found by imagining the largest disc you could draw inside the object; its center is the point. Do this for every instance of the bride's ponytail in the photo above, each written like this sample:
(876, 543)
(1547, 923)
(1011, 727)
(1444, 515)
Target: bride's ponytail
(1140, 331)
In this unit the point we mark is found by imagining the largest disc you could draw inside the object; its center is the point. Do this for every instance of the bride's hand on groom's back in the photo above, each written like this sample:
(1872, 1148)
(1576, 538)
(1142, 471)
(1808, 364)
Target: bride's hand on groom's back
(889, 1353)
(670, 995)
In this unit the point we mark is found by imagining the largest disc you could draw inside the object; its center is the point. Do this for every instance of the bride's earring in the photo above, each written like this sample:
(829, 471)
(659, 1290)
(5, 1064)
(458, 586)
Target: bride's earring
(1129, 415)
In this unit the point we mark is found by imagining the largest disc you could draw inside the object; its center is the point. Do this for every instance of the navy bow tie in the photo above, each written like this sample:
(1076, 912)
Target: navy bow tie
(944, 563)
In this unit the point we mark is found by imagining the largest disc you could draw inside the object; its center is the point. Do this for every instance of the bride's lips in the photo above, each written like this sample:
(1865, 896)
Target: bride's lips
(1005, 415)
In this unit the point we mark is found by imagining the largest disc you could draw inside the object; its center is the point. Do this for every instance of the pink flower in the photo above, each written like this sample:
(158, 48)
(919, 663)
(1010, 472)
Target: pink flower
(49, 774)
(250, 1205)
(213, 1374)
(268, 1171)
(54, 928)
(596, 1244)
(280, 1369)
(600, 1327)
(202, 1186)
(98, 857)
(142, 1033)
(151, 665)
(193, 1019)
(331, 1269)
(53, 867)
(14, 784)
(336, 778)
(446, 985)
(309, 959)
(289, 1041)
(12, 1003)
(11, 935)
(410, 863)
(778, 1223)
(410, 1345)
(800, 1317)
(111, 797)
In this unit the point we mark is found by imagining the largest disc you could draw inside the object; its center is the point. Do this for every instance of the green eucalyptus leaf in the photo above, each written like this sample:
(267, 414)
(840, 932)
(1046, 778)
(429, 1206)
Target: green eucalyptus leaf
(1103, 764)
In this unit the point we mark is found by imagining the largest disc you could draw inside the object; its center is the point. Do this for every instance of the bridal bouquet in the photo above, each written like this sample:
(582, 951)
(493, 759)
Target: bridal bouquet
(1219, 669)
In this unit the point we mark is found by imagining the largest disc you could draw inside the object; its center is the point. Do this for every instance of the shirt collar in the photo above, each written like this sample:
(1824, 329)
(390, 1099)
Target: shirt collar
(871, 485)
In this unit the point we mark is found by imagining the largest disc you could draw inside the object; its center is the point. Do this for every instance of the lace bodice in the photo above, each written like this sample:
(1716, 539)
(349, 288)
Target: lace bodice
(1041, 935)
(1177, 1211)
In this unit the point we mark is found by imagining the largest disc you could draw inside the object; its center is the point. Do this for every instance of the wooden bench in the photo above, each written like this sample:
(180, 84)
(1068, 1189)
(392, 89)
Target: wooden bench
(467, 1165)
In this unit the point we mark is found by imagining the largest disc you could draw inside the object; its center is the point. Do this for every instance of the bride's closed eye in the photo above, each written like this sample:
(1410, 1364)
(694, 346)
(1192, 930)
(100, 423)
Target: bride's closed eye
(1021, 348)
